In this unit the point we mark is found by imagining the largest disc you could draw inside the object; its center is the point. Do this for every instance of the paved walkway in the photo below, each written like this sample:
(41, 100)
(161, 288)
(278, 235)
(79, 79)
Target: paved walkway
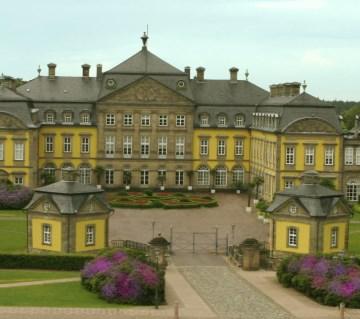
(39, 282)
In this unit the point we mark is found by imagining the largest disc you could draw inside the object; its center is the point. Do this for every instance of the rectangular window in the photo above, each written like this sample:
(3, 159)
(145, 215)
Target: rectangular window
(292, 237)
(68, 117)
(144, 177)
(349, 156)
(1, 151)
(179, 178)
(85, 175)
(290, 155)
(128, 119)
(85, 118)
(352, 190)
(334, 237)
(163, 120)
(221, 121)
(329, 155)
(90, 235)
(19, 151)
(309, 155)
(239, 147)
(204, 120)
(162, 146)
(289, 184)
(180, 147)
(239, 121)
(203, 176)
(50, 171)
(110, 119)
(50, 118)
(221, 148)
(145, 119)
(85, 144)
(46, 234)
(67, 144)
(220, 177)
(144, 146)
(109, 176)
(109, 146)
(238, 176)
(19, 180)
(204, 147)
(357, 156)
(49, 144)
(180, 120)
(127, 146)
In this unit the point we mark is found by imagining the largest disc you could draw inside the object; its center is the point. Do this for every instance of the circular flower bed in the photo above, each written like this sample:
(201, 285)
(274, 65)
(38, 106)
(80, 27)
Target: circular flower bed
(120, 278)
(165, 200)
(328, 281)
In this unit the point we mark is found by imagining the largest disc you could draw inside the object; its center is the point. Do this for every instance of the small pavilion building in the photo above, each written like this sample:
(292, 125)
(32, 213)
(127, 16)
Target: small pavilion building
(309, 219)
(67, 217)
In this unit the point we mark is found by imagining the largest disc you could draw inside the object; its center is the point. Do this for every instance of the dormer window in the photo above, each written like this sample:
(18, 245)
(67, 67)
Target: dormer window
(239, 120)
(204, 120)
(85, 118)
(68, 117)
(50, 117)
(221, 120)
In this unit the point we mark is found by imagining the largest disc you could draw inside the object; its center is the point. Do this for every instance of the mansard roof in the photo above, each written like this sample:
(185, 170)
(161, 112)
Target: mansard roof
(303, 99)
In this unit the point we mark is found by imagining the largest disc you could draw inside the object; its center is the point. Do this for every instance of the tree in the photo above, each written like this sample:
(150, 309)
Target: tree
(327, 182)
(99, 171)
(257, 181)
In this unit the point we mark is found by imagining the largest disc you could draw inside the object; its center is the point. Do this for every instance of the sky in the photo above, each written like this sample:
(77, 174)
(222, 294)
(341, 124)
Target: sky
(276, 40)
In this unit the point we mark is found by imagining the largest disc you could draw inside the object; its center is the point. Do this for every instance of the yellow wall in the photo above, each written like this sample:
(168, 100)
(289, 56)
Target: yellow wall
(99, 235)
(75, 157)
(281, 240)
(327, 237)
(37, 234)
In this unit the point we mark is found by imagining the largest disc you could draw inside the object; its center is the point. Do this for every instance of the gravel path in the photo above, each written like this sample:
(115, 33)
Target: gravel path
(226, 293)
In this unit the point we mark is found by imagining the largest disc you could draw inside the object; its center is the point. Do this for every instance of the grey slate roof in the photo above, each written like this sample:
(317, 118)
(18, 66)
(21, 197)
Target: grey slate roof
(9, 95)
(68, 188)
(303, 99)
(145, 62)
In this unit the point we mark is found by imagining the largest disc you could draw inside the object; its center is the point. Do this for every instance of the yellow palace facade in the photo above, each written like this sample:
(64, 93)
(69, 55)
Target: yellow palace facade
(144, 118)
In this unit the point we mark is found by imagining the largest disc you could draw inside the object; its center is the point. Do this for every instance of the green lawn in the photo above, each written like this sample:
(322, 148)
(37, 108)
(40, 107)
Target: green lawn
(19, 275)
(12, 231)
(53, 295)
(354, 239)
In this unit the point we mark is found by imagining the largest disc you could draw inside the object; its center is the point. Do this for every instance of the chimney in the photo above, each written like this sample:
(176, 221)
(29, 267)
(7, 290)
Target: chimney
(52, 67)
(10, 82)
(85, 71)
(200, 73)
(99, 72)
(285, 89)
(233, 74)
(187, 70)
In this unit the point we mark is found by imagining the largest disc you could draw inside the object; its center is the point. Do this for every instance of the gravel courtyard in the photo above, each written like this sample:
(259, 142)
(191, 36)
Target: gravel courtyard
(137, 224)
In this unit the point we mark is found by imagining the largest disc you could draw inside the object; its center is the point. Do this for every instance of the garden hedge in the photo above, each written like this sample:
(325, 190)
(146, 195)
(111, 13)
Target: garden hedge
(40, 261)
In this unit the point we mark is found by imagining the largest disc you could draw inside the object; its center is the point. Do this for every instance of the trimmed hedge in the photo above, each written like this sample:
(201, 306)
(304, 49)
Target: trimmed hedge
(48, 262)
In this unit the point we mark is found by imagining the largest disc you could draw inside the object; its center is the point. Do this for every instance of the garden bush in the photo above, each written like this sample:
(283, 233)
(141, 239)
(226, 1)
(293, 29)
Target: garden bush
(326, 280)
(14, 197)
(118, 277)
(148, 192)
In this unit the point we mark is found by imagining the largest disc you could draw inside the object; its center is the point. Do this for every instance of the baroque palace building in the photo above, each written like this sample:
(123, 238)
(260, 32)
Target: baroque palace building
(146, 117)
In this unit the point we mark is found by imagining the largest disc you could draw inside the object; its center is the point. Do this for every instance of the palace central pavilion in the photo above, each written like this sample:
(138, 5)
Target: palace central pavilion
(145, 118)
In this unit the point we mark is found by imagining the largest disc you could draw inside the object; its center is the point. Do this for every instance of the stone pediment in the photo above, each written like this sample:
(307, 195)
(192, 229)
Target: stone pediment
(310, 125)
(292, 208)
(46, 205)
(146, 91)
(92, 205)
(10, 122)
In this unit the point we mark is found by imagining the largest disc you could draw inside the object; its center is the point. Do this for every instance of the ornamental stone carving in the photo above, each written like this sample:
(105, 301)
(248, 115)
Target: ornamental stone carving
(310, 126)
(9, 122)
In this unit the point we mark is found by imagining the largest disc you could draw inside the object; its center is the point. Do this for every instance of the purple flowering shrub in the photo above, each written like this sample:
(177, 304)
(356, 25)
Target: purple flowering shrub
(121, 278)
(326, 280)
(14, 197)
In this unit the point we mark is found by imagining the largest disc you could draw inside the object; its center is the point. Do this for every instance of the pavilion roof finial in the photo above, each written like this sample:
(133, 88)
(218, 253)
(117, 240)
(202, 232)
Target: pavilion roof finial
(144, 39)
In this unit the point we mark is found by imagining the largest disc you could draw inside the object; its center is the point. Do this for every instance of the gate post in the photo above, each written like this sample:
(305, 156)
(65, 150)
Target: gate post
(193, 243)
(216, 240)
(171, 239)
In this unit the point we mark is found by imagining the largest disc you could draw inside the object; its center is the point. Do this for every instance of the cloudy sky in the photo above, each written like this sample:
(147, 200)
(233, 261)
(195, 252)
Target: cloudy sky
(276, 40)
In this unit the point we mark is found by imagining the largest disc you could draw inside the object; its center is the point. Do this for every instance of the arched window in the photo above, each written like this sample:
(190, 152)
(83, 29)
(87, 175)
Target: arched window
(49, 169)
(238, 175)
(221, 177)
(85, 118)
(204, 120)
(85, 174)
(221, 120)
(50, 117)
(203, 175)
(239, 120)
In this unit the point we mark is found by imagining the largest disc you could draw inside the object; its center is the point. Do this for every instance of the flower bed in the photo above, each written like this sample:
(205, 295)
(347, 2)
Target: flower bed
(164, 200)
(325, 280)
(119, 278)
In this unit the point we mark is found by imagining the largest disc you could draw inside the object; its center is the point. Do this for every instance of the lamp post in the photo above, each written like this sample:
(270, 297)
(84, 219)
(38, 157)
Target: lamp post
(157, 286)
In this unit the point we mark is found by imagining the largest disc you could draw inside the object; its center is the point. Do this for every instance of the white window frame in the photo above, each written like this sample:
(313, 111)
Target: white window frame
(290, 155)
(239, 120)
(46, 234)
(110, 119)
(127, 146)
(109, 176)
(238, 175)
(50, 117)
(49, 170)
(179, 177)
(85, 144)
(222, 120)
(90, 235)
(203, 176)
(204, 120)
(329, 155)
(221, 177)
(334, 237)
(85, 175)
(162, 146)
(289, 184)
(67, 144)
(144, 177)
(293, 234)
(204, 147)
(2, 151)
(180, 120)
(128, 119)
(19, 180)
(179, 147)
(163, 120)
(68, 117)
(19, 150)
(221, 147)
(357, 156)
(85, 118)
(349, 155)
(144, 146)
(352, 191)
(145, 120)
(49, 143)
(309, 155)
(109, 146)
(239, 147)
